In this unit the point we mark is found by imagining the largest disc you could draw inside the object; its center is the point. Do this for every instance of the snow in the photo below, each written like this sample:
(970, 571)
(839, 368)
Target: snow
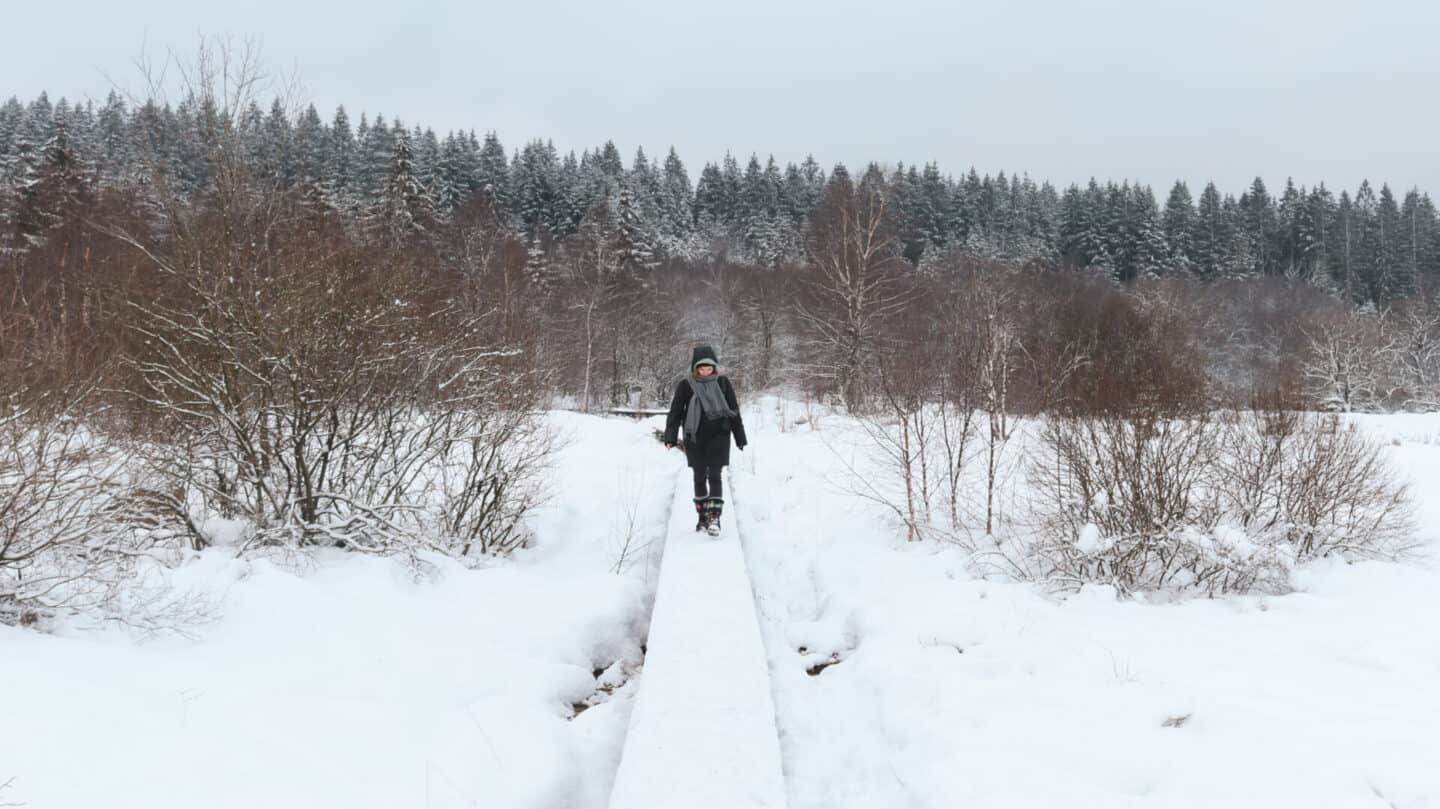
(702, 733)
(945, 690)
(350, 683)
(896, 677)
(1091, 541)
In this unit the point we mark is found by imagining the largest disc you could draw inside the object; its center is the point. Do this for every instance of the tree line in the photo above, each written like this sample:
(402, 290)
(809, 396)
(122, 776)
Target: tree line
(389, 180)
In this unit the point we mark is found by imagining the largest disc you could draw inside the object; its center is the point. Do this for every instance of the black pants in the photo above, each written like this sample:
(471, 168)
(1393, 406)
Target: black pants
(704, 474)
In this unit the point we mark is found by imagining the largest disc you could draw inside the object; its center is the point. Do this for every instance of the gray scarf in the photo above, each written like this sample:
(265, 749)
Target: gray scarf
(711, 400)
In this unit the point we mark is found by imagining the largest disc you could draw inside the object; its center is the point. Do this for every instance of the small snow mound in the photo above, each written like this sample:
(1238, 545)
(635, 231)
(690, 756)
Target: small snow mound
(1091, 540)
(1235, 542)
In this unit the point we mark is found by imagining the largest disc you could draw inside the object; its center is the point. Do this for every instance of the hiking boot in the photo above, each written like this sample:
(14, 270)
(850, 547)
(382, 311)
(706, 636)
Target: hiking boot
(713, 506)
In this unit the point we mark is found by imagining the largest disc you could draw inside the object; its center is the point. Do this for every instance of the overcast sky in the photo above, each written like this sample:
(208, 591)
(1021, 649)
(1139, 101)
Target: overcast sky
(1321, 90)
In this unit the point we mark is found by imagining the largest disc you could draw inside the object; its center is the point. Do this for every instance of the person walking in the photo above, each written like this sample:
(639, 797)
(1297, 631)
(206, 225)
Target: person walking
(706, 407)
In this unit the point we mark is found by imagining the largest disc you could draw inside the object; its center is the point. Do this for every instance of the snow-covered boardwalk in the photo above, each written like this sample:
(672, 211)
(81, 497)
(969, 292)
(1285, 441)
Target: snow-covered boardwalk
(702, 733)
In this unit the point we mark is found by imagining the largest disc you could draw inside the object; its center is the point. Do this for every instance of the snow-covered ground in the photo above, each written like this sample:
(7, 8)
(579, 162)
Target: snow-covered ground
(351, 685)
(899, 679)
(951, 691)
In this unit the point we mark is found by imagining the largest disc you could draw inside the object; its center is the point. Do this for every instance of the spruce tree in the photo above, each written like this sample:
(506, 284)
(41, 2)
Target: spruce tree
(275, 147)
(644, 183)
(404, 208)
(1075, 226)
(12, 113)
(536, 191)
(676, 211)
(1420, 239)
(935, 225)
(493, 173)
(1290, 218)
(52, 192)
(374, 153)
(452, 181)
(1242, 253)
(1211, 235)
(731, 186)
(634, 249)
(1313, 239)
(112, 139)
(1255, 234)
(1149, 253)
(310, 149)
(1366, 255)
(1394, 281)
(1345, 238)
(1178, 223)
(711, 204)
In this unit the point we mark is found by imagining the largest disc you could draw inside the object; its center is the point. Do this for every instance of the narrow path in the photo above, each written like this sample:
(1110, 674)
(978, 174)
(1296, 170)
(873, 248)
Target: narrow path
(702, 732)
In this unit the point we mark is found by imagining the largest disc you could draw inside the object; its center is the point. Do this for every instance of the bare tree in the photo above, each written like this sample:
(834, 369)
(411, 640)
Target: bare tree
(997, 346)
(1344, 367)
(853, 282)
(1413, 326)
(762, 305)
(588, 276)
(902, 429)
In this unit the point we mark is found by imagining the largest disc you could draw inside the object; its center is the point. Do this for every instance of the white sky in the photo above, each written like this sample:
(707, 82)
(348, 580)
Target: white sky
(1331, 90)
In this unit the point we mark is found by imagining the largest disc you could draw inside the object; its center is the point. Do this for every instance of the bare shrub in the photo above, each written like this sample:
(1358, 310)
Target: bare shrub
(1312, 483)
(317, 400)
(1228, 503)
(68, 540)
(1122, 496)
(54, 483)
(322, 389)
(490, 478)
(75, 532)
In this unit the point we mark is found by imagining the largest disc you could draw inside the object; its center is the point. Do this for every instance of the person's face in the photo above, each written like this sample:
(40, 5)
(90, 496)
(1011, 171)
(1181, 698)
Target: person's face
(705, 370)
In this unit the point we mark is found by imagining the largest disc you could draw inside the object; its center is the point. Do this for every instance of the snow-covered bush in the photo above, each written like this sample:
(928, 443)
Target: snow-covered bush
(1310, 482)
(327, 393)
(73, 527)
(1228, 502)
(1121, 498)
(50, 482)
(490, 479)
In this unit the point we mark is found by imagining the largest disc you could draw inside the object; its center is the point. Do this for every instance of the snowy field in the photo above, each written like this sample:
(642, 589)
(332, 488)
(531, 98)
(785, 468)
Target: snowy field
(350, 685)
(899, 680)
(949, 691)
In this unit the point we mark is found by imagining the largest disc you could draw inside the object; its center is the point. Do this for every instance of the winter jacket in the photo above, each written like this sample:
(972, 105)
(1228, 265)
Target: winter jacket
(712, 445)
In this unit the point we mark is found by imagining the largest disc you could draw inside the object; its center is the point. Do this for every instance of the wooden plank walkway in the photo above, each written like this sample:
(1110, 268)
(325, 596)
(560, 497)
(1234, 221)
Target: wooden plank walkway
(702, 733)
